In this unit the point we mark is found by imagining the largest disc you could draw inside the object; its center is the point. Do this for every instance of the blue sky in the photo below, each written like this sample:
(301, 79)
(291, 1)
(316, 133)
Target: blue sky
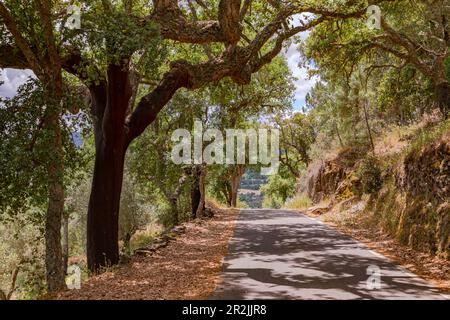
(12, 79)
(303, 84)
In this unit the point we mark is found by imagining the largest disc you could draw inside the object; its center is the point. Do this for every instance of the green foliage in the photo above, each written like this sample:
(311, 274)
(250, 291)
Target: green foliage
(277, 190)
(447, 68)
(369, 172)
(21, 247)
(297, 134)
(151, 166)
(242, 204)
(250, 199)
(24, 144)
(135, 213)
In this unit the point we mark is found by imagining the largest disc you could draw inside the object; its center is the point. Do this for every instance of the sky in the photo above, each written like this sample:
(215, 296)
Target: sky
(12, 79)
(303, 84)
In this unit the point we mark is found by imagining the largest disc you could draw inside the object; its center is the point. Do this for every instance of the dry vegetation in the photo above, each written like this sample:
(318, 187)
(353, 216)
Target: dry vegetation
(187, 268)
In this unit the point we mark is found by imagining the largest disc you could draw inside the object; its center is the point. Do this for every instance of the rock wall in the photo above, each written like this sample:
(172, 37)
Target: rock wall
(424, 181)
(413, 204)
(333, 178)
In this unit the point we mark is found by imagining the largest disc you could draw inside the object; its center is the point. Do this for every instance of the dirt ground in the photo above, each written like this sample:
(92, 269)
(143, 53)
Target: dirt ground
(187, 268)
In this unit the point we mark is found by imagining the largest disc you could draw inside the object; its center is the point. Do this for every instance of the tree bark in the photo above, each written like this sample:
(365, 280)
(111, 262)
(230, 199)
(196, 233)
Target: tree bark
(104, 203)
(443, 98)
(369, 131)
(173, 198)
(197, 193)
(55, 209)
(110, 104)
(127, 243)
(235, 182)
(202, 188)
(65, 246)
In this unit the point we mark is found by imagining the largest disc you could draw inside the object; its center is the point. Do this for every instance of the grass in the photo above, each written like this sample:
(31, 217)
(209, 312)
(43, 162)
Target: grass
(144, 237)
(242, 205)
(299, 202)
(214, 203)
(428, 135)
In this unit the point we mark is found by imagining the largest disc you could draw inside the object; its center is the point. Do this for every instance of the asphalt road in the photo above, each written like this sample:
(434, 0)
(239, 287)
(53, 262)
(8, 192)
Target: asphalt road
(281, 254)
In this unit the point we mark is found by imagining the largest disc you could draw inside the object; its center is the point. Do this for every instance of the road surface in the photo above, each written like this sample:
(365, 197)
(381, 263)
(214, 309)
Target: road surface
(281, 254)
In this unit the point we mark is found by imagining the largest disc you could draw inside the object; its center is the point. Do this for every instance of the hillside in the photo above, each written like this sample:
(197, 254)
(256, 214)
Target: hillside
(397, 197)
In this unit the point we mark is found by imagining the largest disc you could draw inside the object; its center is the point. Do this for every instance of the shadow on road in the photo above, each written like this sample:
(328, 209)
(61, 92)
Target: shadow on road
(277, 254)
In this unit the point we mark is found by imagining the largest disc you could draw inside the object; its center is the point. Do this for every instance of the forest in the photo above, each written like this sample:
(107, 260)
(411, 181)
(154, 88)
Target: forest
(86, 175)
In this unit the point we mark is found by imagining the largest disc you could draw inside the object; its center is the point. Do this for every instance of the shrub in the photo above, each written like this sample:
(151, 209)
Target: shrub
(369, 174)
(242, 204)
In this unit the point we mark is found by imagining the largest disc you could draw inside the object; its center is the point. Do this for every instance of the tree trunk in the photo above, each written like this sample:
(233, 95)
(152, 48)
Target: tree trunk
(197, 194)
(235, 182)
(127, 243)
(55, 209)
(7, 295)
(104, 204)
(341, 143)
(173, 202)
(53, 251)
(110, 104)
(65, 246)
(443, 98)
(173, 198)
(227, 193)
(201, 186)
(369, 131)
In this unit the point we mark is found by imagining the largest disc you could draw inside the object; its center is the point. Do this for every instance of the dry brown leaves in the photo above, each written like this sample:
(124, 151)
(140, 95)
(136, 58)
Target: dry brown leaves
(187, 268)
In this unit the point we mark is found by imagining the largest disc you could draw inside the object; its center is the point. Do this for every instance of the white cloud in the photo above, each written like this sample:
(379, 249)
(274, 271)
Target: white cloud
(303, 84)
(12, 79)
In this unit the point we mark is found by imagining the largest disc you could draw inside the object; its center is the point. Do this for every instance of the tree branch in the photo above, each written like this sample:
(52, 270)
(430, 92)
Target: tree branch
(20, 41)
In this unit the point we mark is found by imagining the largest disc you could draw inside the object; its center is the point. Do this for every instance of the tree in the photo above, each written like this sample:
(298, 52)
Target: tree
(133, 215)
(24, 165)
(297, 134)
(243, 107)
(150, 156)
(38, 51)
(242, 42)
(398, 44)
(22, 252)
(278, 188)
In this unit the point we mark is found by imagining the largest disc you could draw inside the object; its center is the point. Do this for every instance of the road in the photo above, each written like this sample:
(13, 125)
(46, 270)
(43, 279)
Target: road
(281, 254)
